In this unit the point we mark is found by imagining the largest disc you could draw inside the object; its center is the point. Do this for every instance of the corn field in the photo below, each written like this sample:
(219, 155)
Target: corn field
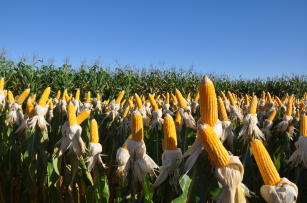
(95, 135)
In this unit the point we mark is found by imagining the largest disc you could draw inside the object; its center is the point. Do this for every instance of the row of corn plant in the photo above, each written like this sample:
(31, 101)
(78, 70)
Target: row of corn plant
(199, 146)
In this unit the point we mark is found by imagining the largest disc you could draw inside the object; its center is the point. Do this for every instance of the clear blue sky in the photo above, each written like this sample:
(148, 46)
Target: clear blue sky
(251, 38)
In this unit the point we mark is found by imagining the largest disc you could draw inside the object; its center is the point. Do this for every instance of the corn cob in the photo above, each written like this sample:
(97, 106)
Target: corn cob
(231, 98)
(269, 98)
(44, 97)
(119, 97)
(137, 130)
(23, 96)
(130, 103)
(72, 120)
(222, 110)
(178, 119)
(246, 99)
(181, 99)
(253, 106)
(272, 115)
(1, 84)
(265, 164)
(77, 96)
(303, 126)
(64, 95)
(58, 95)
(218, 155)
(50, 104)
(88, 97)
(138, 101)
(30, 109)
(169, 130)
(125, 114)
(174, 98)
(10, 97)
(208, 102)
(289, 108)
(94, 131)
(224, 96)
(196, 98)
(153, 102)
(189, 97)
(167, 98)
(83, 116)
(123, 102)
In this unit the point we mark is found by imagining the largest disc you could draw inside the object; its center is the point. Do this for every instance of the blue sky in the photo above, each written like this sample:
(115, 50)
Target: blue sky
(239, 37)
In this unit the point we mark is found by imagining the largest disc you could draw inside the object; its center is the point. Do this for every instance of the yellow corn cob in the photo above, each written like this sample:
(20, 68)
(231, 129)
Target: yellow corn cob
(278, 101)
(50, 103)
(224, 96)
(231, 99)
(10, 97)
(125, 114)
(58, 95)
(23, 96)
(130, 103)
(263, 95)
(189, 97)
(1, 84)
(196, 98)
(178, 119)
(167, 98)
(265, 164)
(108, 101)
(297, 113)
(169, 130)
(208, 102)
(143, 100)
(269, 98)
(246, 99)
(138, 101)
(157, 98)
(88, 97)
(72, 120)
(94, 131)
(83, 116)
(303, 126)
(272, 115)
(44, 97)
(30, 109)
(137, 131)
(64, 95)
(123, 102)
(174, 98)
(253, 106)
(77, 96)
(119, 97)
(289, 108)
(98, 97)
(218, 155)
(153, 102)
(222, 110)
(181, 99)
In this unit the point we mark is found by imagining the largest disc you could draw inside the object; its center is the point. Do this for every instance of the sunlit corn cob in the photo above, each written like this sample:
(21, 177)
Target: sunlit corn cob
(119, 97)
(289, 108)
(303, 126)
(44, 97)
(125, 114)
(77, 95)
(58, 95)
(223, 96)
(208, 102)
(50, 104)
(196, 98)
(71, 113)
(167, 97)
(1, 84)
(153, 102)
(30, 108)
(181, 99)
(265, 164)
(222, 110)
(272, 115)
(88, 97)
(253, 106)
(10, 97)
(169, 130)
(138, 101)
(137, 131)
(218, 155)
(23, 96)
(123, 102)
(83, 116)
(178, 119)
(231, 98)
(94, 131)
